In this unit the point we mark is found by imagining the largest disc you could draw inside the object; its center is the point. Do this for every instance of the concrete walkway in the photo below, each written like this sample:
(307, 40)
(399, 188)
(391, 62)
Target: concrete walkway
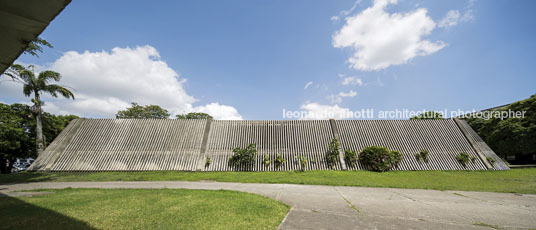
(335, 207)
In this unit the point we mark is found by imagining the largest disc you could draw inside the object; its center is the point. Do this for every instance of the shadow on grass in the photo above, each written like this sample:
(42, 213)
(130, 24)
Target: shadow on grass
(27, 177)
(17, 214)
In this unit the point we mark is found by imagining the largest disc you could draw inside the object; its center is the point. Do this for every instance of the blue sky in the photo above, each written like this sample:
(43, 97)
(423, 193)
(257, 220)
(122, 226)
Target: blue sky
(252, 59)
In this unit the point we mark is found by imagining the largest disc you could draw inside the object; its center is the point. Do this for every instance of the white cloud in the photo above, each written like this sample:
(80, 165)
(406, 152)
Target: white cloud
(344, 13)
(454, 17)
(451, 19)
(105, 82)
(335, 18)
(381, 39)
(467, 16)
(339, 97)
(307, 85)
(351, 93)
(219, 112)
(317, 111)
(334, 99)
(352, 81)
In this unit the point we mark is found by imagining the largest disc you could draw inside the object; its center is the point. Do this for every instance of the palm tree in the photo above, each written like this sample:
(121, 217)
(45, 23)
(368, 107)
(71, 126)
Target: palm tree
(35, 86)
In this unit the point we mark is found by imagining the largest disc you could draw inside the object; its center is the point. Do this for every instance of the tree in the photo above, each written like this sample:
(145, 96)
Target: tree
(510, 136)
(17, 132)
(54, 124)
(35, 86)
(194, 116)
(36, 45)
(142, 112)
(14, 139)
(33, 47)
(430, 115)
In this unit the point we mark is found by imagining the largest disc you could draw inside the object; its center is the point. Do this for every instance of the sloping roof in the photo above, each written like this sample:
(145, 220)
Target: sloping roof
(21, 21)
(140, 145)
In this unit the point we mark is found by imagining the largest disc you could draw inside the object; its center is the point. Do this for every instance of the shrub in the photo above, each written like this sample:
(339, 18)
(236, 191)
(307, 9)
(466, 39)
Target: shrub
(266, 161)
(302, 161)
(418, 157)
(422, 156)
(350, 157)
(207, 162)
(379, 159)
(243, 158)
(473, 159)
(396, 157)
(333, 153)
(491, 160)
(279, 160)
(463, 158)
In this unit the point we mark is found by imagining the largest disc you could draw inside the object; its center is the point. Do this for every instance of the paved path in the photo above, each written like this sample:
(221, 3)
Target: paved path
(335, 207)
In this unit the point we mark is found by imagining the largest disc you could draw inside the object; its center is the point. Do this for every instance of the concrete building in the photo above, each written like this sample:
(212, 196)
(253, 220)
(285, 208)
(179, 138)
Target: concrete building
(173, 144)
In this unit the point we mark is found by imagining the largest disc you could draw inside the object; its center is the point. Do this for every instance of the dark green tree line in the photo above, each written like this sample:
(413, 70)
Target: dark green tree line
(136, 111)
(510, 136)
(17, 132)
(430, 115)
(194, 115)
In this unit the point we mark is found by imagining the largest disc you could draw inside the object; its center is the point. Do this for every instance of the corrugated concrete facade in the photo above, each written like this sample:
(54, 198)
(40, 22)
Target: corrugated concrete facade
(288, 138)
(144, 145)
(442, 139)
(124, 145)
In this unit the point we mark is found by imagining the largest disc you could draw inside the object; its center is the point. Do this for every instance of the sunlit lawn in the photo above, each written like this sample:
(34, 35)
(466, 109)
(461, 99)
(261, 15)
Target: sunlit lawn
(141, 209)
(514, 180)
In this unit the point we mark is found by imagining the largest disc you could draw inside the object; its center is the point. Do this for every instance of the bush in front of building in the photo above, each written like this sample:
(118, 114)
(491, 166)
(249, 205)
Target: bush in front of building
(243, 158)
(379, 159)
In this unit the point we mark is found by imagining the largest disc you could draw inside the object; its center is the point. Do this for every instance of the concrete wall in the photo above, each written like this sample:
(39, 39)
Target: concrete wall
(143, 145)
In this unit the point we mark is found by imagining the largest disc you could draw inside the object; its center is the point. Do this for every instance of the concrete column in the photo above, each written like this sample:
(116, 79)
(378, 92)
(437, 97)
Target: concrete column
(335, 132)
(473, 144)
(202, 154)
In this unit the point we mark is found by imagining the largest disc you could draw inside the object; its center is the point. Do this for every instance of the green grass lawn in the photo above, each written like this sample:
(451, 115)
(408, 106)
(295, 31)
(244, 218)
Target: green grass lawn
(141, 209)
(514, 180)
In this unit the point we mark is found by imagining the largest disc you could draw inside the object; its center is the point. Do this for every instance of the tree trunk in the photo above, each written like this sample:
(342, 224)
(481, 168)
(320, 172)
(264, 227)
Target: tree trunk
(3, 164)
(39, 136)
(10, 165)
(38, 126)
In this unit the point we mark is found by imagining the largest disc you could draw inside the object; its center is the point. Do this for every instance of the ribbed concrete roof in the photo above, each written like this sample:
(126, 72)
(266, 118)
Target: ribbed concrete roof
(442, 139)
(140, 145)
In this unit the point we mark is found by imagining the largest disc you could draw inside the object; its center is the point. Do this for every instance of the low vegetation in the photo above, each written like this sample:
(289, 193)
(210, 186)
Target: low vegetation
(141, 209)
(332, 156)
(279, 160)
(243, 158)
(379, 159)
(350, 158)
(463, 158)
(491, 160)
(302, 161)
(514, 180)
(422, 156)
(207, 162)
(266, 161)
